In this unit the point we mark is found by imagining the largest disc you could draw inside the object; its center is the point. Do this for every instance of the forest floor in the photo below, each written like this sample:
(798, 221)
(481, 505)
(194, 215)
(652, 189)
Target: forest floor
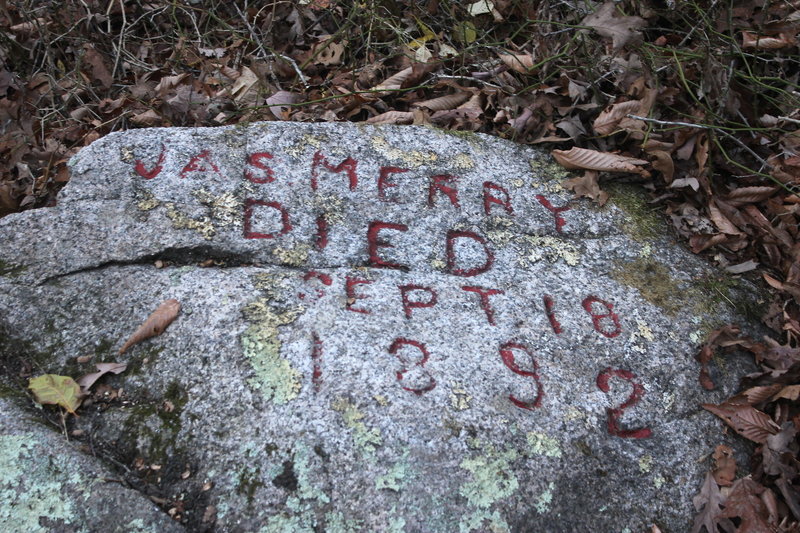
(697, 101)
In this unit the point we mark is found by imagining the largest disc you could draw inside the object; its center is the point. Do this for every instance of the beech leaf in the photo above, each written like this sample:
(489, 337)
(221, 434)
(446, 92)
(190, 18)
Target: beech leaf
(392, 117)
(607, 121)
(392, 83)
(155, 324)
(56, 390)
(521, 63)
(583, 158)
(746, 420)
(444, 103)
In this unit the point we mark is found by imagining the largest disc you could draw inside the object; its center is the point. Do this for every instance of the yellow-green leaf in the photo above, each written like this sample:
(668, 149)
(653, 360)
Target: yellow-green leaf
(56, 390)
(465, 32)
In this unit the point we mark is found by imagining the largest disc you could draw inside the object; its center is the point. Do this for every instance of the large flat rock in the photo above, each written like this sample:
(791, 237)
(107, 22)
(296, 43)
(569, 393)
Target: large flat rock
(382, 329)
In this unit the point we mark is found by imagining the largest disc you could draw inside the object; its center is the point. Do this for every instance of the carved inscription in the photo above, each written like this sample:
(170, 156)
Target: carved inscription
(467, 254)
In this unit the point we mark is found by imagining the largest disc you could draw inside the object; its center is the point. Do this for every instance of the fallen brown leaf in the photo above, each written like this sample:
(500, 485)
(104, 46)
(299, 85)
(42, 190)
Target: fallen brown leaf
(155, 324)
(582, 158)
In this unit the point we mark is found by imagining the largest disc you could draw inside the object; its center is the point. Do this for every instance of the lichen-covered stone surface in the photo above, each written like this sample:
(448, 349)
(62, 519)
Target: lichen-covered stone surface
(382, 329)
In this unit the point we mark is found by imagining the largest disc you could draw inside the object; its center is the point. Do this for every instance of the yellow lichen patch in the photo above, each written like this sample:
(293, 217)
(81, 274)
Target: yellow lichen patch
(274, 378)
(366, 439)
(295, 257)
(552, 249)
(147, 202)
(226, 209)
(550, 172)
(645, 463)
(438, 264)
(461, 162)
(543, 444)
(269, 283)
(459, 398)
(331, 205)
(382, 400)
(204, 226)
(410, 158)
(126, 154)
(299, 147)
(502, 230)
(518, 183)
(644, 330)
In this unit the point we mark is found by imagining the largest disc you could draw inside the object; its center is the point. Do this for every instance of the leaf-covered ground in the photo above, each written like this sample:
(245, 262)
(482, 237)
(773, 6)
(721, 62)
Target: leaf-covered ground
(698, 101)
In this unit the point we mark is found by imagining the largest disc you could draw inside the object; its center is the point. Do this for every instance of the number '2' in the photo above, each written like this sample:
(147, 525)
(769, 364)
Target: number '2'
(615, 413)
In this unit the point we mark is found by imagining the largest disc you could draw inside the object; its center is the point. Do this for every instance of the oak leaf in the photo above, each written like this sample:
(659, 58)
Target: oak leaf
(88, 380)
(709, 504)
(56, 390)
(622, 30)
(155, 324)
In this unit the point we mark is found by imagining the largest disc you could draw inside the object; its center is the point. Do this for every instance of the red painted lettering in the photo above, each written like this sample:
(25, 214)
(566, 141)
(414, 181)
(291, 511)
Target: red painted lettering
(601, 319)
(550, 311)
(507, 354)
(348, 166)
(316, 360)
(384, 183)
(352, 296)
(438, 184)
(409, 304)
(395, 349)
(200, 163)
(249, 205)
(489, 198)
(614, 414)
(324, 278)
(452, 235)
(374, 242)
(484, 294)
(560, 222)
(156, 170)
(256, 160)
(322, 232)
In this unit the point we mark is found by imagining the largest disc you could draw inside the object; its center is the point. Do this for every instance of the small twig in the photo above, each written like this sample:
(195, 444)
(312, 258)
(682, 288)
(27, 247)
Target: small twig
(704, 127)
(257, 41)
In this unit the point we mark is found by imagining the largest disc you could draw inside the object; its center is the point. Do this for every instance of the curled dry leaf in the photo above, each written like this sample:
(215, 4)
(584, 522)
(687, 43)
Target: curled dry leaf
(444, 103)
(392, 117)
(582, 158)
(663, 164)
(279, 103)
(148, 118)
(753, 40)
(155, 324)
(392, 83)
(88, 380)
(724, 466)
(587, 186)
(607, 121)
(521, 63)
